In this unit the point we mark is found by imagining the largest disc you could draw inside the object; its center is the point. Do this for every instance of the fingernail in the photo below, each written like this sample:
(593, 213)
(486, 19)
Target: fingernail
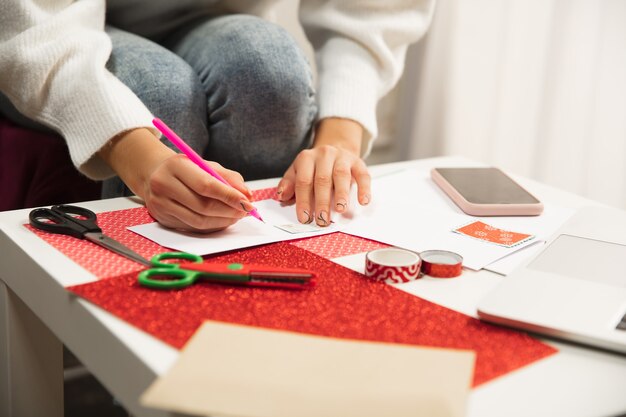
(246, 206)
(322, 218)
(365, 199)
(305, 217)
(341, 206)
(279, 192)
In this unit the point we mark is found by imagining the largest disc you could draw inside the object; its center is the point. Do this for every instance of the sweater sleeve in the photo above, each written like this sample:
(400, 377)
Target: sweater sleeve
(360, 48)
(52, 67)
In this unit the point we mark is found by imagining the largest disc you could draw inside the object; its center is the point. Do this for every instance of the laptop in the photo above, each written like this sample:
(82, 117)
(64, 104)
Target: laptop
(575, 288)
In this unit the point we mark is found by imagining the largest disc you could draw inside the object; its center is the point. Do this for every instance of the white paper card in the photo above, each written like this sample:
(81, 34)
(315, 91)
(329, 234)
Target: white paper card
(245, 233)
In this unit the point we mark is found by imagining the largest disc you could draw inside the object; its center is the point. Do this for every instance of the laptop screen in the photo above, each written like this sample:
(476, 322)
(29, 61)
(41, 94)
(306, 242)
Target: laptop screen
(588, 259)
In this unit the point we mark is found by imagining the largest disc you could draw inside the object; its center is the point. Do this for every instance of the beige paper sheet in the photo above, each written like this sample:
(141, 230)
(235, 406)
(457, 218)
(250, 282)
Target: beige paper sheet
(233, 370)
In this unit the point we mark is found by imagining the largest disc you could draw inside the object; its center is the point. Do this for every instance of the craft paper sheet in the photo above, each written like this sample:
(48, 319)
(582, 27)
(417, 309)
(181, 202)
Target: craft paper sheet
(234, 370)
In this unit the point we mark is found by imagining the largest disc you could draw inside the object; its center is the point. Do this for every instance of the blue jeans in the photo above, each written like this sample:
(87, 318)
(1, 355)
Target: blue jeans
(237, 88)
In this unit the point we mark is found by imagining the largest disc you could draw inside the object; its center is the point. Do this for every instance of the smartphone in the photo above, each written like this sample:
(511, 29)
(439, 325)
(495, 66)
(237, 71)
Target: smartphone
(486, 192)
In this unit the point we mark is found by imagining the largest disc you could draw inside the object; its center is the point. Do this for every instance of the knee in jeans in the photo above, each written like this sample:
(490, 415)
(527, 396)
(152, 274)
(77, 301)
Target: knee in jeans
(265, 68)
(168, 88)
(161, 81)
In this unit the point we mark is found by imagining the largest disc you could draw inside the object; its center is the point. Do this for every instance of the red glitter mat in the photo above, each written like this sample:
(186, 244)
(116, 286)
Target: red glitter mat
(344, 304)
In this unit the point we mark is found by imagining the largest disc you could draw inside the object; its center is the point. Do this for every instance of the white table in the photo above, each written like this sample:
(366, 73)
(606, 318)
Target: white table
(37, 315)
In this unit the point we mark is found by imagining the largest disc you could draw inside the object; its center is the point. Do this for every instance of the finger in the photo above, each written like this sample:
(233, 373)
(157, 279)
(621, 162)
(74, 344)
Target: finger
(304, 167)
(174, 215)
(232, 178)
(177, 191)
(323, 184)
(205, 185)
(342, 178)
(287, 185)
(363, 181)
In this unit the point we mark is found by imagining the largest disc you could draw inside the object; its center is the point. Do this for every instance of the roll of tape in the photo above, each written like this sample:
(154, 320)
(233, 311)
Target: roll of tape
(392, 265)
(441, 263)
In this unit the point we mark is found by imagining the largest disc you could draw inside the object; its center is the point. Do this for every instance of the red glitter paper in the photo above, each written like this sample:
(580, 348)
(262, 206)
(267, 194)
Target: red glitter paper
(344, 304)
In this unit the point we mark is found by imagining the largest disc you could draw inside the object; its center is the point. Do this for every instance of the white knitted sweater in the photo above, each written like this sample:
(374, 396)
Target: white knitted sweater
(53, 55)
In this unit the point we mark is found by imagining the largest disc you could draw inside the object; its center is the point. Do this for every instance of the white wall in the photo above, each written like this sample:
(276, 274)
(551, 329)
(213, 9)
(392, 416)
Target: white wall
(537, 87)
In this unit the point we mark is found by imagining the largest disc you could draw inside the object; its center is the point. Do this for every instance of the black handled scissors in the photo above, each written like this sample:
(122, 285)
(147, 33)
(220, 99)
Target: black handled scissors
(80, 223)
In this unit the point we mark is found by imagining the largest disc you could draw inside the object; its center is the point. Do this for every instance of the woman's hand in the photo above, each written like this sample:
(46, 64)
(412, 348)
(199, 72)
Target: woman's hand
(324, 174)
(177, 192)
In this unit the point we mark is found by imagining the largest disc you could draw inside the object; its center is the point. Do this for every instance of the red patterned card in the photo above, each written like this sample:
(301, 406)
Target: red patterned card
(336, 245)
(344, 304)
(100, 261)
(104, 264)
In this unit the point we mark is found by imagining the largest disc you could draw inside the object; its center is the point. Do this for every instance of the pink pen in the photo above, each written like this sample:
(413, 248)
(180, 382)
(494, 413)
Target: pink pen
(193, 156)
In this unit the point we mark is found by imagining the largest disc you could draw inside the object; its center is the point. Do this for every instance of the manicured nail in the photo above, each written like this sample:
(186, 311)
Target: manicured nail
(322, 218)
(246, 206)
(341, 206)
(305, 220)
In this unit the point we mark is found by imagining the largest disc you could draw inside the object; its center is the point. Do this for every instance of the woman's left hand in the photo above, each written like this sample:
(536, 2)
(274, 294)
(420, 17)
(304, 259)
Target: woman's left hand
(324, 173)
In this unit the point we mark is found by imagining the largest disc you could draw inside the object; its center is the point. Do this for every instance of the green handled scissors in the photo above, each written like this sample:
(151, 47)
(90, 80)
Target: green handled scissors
(181, 275)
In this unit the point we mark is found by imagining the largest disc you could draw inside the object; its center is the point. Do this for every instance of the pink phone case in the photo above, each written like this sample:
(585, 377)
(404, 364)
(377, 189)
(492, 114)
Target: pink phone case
(499, 209)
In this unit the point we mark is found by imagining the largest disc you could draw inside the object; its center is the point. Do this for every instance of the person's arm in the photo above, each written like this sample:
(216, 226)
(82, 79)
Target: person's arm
(52, 68)
(360, 49)
(52, 60)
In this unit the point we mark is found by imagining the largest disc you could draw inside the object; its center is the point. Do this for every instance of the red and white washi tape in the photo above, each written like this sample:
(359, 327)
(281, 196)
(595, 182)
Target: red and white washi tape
(394, 265)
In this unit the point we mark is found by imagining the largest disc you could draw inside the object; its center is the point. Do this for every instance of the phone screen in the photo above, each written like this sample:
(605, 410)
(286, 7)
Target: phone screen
(486, 186)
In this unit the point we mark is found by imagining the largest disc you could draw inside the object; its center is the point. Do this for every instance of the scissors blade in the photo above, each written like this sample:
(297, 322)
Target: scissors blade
(117, 247)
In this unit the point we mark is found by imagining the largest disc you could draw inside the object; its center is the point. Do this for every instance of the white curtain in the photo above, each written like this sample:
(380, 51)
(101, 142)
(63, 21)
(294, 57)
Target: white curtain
(536, 87)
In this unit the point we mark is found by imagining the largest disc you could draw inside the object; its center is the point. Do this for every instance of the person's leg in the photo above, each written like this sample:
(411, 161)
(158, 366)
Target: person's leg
(166, 85)
(258, 84)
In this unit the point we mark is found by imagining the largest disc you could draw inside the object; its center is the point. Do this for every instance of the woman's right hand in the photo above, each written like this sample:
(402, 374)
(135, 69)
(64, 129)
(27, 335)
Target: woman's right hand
(177, 193)
(180, 195)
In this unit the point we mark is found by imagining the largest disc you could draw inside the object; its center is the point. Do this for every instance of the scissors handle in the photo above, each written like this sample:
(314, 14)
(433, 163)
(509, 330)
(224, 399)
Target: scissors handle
(171, 273)
(157, 259)
(64, 219)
